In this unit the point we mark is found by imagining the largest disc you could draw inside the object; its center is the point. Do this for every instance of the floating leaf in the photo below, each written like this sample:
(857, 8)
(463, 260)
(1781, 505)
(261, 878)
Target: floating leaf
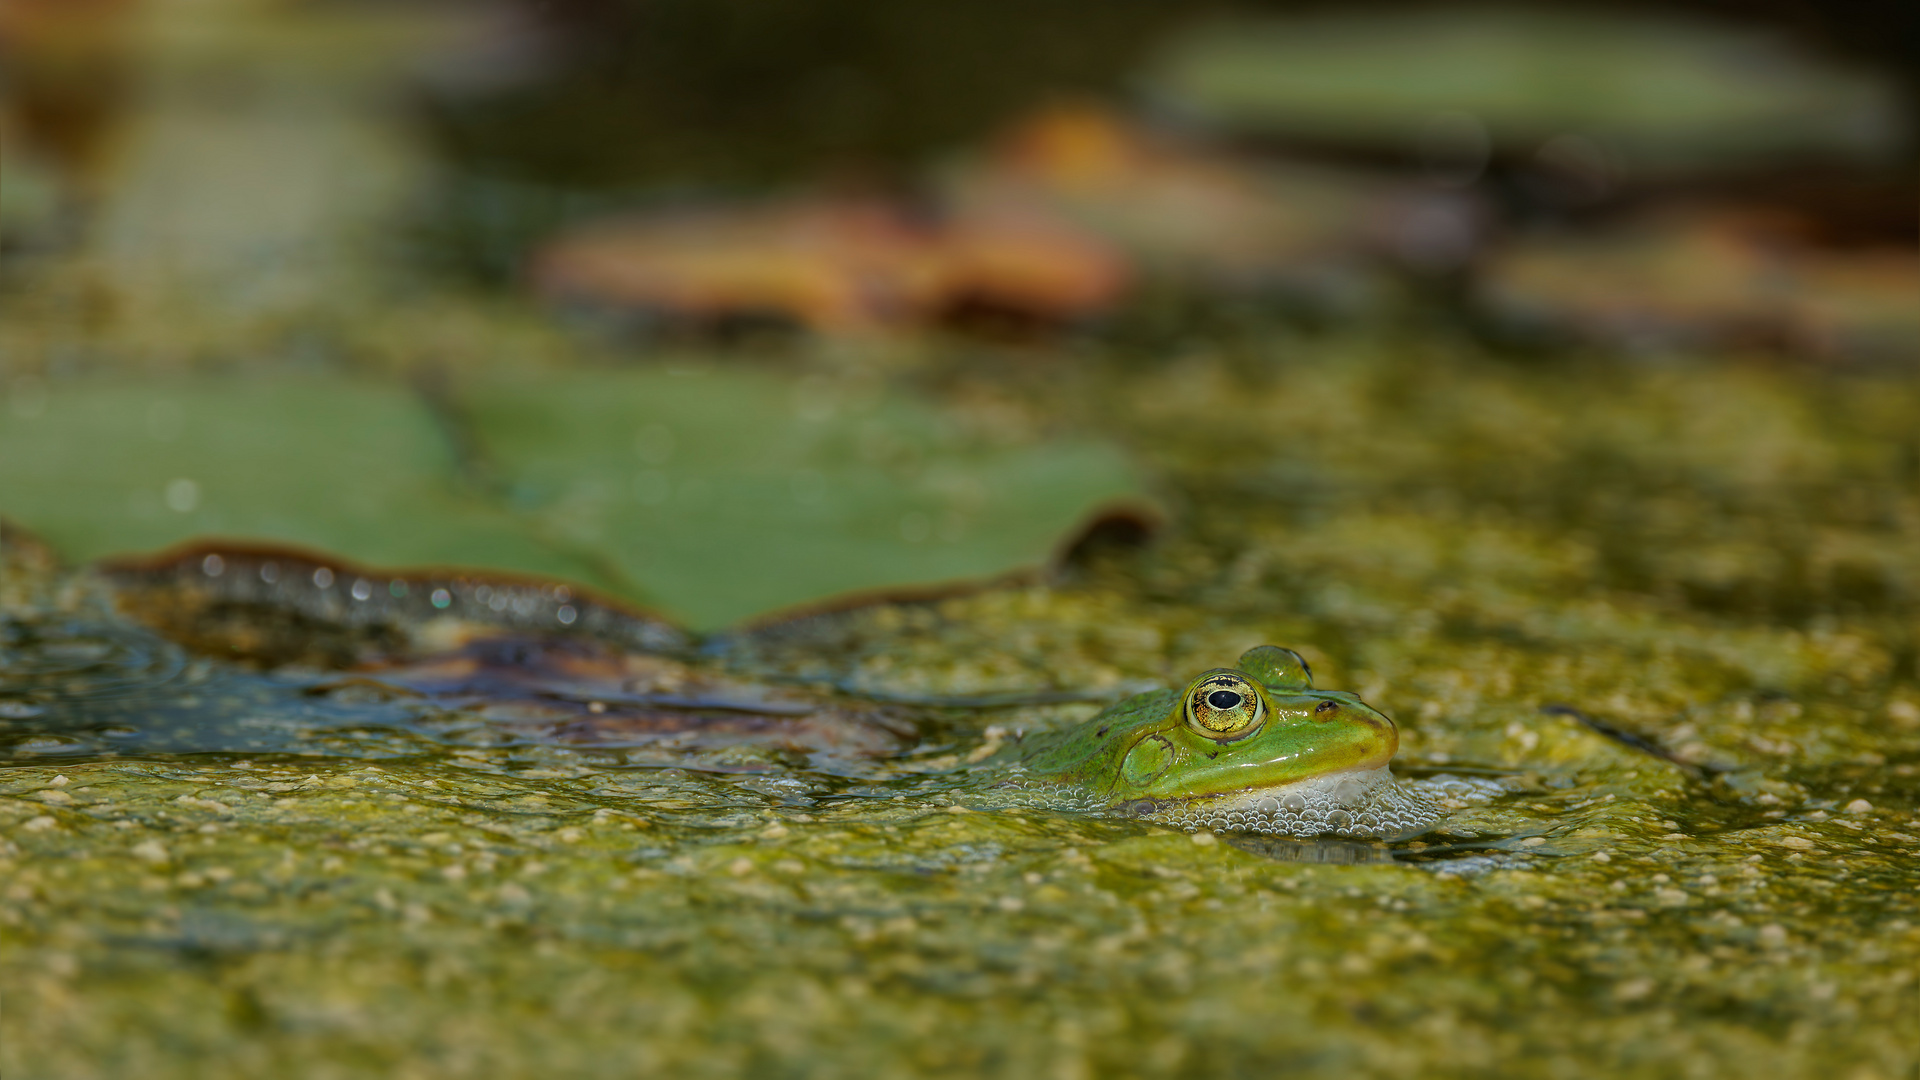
(356, 467)
(1661, 93)
(713, 495)
(729, 493)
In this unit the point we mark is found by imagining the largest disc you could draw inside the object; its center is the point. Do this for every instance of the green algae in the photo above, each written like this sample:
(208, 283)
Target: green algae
(242, 918)
(1713, 871)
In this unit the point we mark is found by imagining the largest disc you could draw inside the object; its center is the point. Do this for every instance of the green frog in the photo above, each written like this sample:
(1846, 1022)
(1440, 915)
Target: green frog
(1252, 748)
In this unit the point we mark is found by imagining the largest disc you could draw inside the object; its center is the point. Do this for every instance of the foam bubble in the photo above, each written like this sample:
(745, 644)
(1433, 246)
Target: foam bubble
(1359, 803)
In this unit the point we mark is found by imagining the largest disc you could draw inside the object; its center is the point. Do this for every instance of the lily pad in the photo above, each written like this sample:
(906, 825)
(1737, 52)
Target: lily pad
(713, 495)
(729, 493)
(358, 467)
(1662, 94)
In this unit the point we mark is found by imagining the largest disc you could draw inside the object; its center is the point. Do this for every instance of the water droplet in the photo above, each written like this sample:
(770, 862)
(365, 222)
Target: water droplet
(323, 578)
(213, 566)
(397, 588)
(442, 598)
(361, 590)
(182, 495)
(270, 572)
(566, 614)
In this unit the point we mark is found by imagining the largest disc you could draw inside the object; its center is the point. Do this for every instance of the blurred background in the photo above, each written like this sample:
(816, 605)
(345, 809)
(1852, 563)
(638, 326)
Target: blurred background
(725, 305)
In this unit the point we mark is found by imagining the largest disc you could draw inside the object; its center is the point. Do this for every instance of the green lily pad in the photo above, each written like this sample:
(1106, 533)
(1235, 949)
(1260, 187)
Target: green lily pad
(713, 496)
(728, 493)
(353, 467)
(1659, 93)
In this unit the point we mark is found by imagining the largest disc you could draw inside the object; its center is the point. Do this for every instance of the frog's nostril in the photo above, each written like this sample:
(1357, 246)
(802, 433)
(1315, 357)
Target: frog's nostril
(1326, 706)
(1224, 699)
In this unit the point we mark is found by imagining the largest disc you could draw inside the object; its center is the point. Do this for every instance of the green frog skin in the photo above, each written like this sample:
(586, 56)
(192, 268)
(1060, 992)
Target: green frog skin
(1252, 748)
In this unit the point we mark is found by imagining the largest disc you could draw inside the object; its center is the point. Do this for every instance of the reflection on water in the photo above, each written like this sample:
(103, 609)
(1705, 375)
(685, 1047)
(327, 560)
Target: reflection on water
(101, 690)
(85, 690)
(73, 662)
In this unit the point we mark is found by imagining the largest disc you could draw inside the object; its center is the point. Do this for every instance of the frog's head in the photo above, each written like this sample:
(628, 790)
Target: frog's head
(1255, 726)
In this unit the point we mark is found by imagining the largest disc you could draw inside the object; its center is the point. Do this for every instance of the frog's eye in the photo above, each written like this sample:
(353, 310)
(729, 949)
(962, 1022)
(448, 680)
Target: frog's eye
(1222, 705)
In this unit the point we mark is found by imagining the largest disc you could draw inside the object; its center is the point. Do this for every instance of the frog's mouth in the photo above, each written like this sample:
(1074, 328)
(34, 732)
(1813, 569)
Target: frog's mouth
(1352, 802)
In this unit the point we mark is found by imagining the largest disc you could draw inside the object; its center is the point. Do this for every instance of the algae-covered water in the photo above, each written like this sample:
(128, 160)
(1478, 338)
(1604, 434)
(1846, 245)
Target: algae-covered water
(1647, 619)
(1702, 861)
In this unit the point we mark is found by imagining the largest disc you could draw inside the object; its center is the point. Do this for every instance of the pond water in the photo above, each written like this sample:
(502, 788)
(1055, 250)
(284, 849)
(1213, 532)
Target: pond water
(1647, 631)
(1646, 619)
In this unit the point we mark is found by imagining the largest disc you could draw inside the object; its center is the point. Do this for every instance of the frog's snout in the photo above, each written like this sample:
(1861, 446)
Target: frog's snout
(1385, 736)
(1375, 730)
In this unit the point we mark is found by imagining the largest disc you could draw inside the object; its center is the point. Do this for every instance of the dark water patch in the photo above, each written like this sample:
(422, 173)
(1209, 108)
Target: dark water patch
(86, 689)
(73, 660)
(80, 690)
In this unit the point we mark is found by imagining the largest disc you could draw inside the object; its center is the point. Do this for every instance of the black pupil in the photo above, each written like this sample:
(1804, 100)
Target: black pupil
(1224, 699)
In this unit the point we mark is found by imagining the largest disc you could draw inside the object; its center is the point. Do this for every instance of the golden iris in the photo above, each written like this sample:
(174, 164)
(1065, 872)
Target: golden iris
(1223, 704)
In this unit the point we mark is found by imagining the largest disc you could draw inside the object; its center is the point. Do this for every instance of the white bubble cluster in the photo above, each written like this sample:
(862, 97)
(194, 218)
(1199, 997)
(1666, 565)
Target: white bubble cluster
(1362, 803)
(1358, 803)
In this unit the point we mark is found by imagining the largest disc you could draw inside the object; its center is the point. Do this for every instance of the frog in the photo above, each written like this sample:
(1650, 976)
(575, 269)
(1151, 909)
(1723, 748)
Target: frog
(1250, 748)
